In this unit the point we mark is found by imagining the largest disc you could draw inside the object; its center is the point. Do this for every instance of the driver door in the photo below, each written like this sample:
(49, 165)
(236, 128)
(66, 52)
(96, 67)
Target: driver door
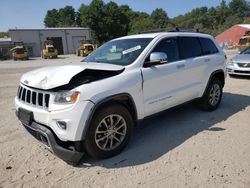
(163, 84)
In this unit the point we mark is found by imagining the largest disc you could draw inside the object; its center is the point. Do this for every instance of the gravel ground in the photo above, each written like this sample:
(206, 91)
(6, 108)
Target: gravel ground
(182, 147)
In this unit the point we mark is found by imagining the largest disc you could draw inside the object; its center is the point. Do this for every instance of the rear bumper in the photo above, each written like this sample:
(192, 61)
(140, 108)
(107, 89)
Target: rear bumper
(47, 137)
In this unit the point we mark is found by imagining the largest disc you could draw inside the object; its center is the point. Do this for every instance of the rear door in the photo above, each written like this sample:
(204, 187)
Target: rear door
(191, 51)
(212, 59)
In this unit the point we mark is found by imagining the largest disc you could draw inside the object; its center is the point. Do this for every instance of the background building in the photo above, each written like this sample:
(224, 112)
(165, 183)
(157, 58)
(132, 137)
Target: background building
(232, 35)
(5, 46)
(66, 40)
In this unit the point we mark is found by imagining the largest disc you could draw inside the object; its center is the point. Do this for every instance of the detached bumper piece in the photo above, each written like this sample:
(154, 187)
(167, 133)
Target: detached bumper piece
(46, 136)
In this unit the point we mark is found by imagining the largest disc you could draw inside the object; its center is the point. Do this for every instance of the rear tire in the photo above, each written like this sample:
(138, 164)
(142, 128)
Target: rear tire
(109, 131)
(212, 96)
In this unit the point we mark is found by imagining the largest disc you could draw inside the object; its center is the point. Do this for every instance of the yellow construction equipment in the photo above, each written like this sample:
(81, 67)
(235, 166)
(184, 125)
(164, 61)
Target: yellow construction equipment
(244, 41)
(86, 47)
(49, 50)
(19, 52)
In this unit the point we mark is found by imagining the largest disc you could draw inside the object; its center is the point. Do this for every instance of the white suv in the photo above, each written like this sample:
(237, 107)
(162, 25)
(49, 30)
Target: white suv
(92, 106)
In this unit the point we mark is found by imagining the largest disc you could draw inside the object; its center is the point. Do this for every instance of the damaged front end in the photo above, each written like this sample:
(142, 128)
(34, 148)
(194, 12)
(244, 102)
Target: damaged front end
(87, 76)
(67, 77)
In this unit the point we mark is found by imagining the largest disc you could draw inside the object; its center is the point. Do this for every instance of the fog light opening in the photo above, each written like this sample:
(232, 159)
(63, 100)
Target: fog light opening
(62, 124)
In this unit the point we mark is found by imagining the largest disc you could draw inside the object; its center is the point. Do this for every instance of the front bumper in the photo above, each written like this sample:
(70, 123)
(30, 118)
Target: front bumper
(236, 70)
(50, 55)
(75, 116)
(47, 137)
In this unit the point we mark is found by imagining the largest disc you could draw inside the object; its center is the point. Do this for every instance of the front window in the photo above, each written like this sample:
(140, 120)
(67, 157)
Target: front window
(20, 50)
(50, 49)
(246, 51)
(243, 41)
(119, 52)
(89, 48)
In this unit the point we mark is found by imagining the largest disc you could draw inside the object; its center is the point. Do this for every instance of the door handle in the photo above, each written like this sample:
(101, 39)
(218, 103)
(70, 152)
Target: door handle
(180, 66)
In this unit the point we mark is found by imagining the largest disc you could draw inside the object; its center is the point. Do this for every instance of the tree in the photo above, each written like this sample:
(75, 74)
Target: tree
(66, 17)
(240, 8)
(127, 16)
(142, 24)
(222, 12)
(92, 16)
(4, 34)
(116, 22)
(52, 18)
(160, 18)
(247, 20)
(108, 21)
(81, 15)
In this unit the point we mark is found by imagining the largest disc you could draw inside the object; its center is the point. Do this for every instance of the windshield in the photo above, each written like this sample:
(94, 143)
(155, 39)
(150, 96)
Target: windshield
(246, 51)
(119, 52)
(243, 41)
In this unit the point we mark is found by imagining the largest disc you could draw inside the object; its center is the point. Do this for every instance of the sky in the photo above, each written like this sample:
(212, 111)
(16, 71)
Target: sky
(29, 14)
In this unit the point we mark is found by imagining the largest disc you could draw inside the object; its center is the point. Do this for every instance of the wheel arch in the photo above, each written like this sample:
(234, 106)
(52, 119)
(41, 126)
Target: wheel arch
(124, 99)
(216, 74)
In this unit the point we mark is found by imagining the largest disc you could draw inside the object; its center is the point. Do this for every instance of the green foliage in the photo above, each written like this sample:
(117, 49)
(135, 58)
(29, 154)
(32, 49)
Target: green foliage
(52, 18)
(239, 8)
(141, 24)
(160, 18)
(4, 34)
(216, 19)
(109, 20)
(64, 17)
(247, 20)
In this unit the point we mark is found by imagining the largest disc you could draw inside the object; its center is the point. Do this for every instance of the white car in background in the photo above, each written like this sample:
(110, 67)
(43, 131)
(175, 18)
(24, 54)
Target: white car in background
(92, 106)
(240, 64)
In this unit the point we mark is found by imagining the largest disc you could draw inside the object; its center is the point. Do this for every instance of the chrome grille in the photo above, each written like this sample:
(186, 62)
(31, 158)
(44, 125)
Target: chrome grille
(244, 65)
(33, 97)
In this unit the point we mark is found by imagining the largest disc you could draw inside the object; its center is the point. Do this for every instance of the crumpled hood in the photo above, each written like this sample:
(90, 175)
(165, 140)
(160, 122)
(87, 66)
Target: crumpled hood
(242, 58)
(55, 76)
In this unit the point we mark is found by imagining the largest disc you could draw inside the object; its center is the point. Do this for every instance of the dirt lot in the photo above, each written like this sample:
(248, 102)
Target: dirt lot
(183, 147)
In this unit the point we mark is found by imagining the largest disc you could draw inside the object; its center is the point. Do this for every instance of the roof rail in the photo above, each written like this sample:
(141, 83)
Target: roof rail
(173, 29)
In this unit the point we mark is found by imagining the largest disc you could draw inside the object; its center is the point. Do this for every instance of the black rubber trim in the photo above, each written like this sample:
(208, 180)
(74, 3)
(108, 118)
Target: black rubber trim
(37, 130)
(211, 76)
(97, 105)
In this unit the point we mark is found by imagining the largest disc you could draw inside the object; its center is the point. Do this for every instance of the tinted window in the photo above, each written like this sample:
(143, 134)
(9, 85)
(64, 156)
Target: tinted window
(189, 47)
(208, 47)
(246, 51)
(170, 47)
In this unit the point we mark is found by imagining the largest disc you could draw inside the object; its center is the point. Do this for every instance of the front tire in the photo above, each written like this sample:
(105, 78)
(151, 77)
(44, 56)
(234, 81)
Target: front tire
(109, 131)
(212, 97)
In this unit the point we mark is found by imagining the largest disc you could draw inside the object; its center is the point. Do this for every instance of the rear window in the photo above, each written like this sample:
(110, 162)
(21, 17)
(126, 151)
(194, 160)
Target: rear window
(189, 47)
(208, 47)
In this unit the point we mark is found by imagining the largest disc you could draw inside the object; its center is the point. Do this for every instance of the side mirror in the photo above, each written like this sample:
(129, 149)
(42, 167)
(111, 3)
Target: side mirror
(156, 58)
